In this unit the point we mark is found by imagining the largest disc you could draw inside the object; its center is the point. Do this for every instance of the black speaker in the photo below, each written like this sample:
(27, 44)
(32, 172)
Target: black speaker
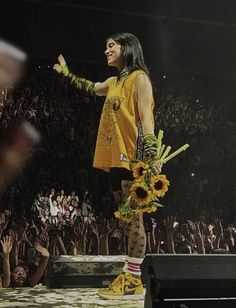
(83, 271)
(175, 277)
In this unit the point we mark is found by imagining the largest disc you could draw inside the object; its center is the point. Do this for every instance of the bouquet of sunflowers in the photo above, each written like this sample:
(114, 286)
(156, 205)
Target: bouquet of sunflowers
(148, 184)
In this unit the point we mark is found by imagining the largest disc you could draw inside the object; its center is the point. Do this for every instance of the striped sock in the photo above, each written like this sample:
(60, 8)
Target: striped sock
(133, 266)
(126, 264)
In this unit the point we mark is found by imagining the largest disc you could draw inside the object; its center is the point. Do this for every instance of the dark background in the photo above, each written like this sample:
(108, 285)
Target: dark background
(183, 36)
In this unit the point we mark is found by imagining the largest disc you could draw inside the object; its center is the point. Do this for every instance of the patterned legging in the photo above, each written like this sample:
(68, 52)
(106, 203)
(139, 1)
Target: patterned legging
(136, 231)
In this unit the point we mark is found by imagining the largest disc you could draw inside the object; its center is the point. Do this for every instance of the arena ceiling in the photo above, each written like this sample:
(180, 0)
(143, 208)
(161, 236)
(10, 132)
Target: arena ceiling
(181, 35)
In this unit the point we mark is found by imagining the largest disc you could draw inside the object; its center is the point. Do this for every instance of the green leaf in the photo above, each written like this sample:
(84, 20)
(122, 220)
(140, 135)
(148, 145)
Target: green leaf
(157, 204)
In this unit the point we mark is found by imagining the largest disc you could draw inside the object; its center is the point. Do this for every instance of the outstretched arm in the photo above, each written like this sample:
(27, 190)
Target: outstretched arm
(92, 88)
(6, 248)
(198, 237)
(61, 246)
(41, 267)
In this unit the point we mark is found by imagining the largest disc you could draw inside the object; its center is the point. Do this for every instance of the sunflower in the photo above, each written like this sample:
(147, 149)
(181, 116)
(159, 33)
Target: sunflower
(139, 169)
(159, 185)
(126, 219)
(140, 193)
(138, 211)
(151, 209)
(118, 214)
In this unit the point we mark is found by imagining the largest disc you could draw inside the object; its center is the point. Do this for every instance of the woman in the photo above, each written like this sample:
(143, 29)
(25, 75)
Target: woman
(126, 132)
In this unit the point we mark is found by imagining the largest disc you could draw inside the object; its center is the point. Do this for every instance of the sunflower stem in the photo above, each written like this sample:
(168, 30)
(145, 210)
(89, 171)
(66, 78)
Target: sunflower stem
(159, 140)
(166, 152)
(183, 148)
(161, 151)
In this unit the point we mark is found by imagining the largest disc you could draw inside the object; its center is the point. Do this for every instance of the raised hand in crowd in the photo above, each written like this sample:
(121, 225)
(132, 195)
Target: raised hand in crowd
(22, 235)
(41, 267)
(73, 248)
(156, 237)
(33, 226)
(170, 228)
(76, 243)
(6, 249)
(81, 237)
(209, 238)
(198, 235)
(218, 231)
(94, 238)
(84, 238)
(43, 251)
(106, 229)
(43, 235)
(229, 240)
(52, 245)
(60, 246)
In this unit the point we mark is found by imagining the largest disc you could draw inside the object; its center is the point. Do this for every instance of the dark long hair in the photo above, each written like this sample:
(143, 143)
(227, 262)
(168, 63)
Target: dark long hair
(132, 51)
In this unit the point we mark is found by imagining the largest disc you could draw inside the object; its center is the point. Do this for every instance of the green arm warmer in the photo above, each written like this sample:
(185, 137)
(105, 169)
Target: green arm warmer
(150, 147)
(80, 83)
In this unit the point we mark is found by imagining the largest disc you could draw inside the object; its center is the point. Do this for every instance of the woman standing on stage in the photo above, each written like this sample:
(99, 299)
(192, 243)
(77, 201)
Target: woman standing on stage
(126, 132)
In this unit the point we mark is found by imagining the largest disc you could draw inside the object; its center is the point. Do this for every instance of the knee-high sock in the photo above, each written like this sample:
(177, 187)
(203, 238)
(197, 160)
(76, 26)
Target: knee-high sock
(133, 265)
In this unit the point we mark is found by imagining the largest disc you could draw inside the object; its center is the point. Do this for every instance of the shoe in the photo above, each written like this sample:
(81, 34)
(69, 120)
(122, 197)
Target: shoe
(118, 278)
(125, 286)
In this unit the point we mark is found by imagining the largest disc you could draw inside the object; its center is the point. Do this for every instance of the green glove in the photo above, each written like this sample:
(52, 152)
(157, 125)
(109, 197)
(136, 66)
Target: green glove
(150, 147)
(80, 83)
(65, 70)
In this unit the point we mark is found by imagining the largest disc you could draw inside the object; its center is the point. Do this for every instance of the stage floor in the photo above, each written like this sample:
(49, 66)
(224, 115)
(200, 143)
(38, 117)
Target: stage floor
(40, 296)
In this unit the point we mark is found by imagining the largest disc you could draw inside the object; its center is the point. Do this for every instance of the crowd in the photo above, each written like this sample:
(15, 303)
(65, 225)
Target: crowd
(76, 215)
(62, 210)
(26, 245)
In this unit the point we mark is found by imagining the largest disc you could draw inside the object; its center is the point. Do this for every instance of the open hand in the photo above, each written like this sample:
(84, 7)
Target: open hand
(6, 245)
(58, 66)
(170, 224)
(44, 252)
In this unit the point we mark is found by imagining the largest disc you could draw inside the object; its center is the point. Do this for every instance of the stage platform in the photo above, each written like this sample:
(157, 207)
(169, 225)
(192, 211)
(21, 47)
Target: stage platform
(83, 271)
(42, 297)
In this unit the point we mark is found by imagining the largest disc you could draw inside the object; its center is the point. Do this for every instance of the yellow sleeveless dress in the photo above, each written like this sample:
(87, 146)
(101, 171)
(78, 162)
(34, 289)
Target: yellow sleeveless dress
(120, 132)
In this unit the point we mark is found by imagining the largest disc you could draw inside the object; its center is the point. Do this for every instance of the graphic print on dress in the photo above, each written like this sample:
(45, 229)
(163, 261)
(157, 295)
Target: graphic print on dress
(107, 130)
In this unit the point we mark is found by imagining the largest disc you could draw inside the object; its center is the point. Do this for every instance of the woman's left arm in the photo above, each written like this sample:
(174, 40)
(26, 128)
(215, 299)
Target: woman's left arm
(144, 99)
